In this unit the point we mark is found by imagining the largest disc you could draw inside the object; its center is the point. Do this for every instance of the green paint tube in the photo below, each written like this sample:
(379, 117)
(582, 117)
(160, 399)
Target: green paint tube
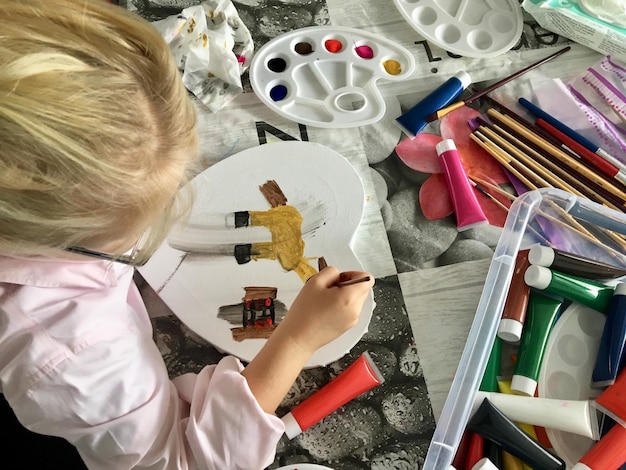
(542, 313)
(489, 382)
(592, 294)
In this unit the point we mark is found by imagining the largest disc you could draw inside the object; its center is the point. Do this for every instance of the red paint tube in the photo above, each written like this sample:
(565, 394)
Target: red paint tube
(475, 451)
(608, 452)
(460, 457)
(359, 377)
(467, 210)
(612, 401)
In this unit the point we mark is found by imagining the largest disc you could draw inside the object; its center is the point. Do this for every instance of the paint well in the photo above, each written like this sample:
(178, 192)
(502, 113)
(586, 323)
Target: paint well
(333, 45)
(279, 92)
(392, 67)
(277, 64)
(364, 52)
(304, 48)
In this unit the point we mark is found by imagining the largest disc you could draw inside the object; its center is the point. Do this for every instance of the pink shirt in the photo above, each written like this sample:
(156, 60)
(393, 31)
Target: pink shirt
(77, 360)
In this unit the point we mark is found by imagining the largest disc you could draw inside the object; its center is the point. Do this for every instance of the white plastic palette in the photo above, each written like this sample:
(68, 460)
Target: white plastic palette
(326, 76)
(566, 371)
(471, 28)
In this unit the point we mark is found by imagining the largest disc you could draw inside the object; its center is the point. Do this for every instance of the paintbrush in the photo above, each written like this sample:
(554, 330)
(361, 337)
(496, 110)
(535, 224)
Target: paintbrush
(352, 281)
(448, 109)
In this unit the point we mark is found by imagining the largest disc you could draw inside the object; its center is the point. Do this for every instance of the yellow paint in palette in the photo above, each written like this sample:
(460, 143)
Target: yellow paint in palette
(510, 461)
(287, 246)
(392, 67)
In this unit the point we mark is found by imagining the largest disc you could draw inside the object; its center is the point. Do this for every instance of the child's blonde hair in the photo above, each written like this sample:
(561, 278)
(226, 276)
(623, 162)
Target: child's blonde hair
(96, 127)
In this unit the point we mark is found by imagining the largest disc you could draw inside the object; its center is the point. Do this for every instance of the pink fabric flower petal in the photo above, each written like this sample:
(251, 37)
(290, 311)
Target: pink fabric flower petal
(419, 153)
(476, 161)
(434, 198)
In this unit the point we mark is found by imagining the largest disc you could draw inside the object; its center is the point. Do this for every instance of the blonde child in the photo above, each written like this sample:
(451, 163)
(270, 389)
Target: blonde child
(97, 133)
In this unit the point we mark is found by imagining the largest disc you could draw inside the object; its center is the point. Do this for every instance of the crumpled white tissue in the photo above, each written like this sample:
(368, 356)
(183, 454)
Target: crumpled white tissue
(212, 47)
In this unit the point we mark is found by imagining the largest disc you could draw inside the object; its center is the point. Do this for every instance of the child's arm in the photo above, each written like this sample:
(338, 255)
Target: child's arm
(320, 313)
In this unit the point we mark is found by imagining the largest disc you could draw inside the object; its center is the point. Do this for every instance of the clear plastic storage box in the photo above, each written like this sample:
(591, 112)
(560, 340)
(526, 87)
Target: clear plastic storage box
(545, 216)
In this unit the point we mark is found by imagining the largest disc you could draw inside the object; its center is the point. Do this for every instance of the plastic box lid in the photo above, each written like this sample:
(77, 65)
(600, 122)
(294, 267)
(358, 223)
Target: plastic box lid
(536, 216)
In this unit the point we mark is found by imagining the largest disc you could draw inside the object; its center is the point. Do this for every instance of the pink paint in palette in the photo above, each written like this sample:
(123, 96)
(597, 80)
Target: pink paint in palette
(327, 76)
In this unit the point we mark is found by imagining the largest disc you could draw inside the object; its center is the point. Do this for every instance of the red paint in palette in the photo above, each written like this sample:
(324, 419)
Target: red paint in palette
(333, 45)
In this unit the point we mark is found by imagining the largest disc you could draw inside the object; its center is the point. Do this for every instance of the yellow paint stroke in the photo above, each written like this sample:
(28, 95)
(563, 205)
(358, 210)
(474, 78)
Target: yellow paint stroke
(287, 246)
(192, 25)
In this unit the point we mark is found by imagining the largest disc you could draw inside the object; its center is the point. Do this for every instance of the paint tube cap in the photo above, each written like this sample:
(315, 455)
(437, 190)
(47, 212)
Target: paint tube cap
(541, 255)
(292, 428)
(464, 78)
(484, 464)
(510, 330)
(523, 385)
(444, 146)
(537, 277)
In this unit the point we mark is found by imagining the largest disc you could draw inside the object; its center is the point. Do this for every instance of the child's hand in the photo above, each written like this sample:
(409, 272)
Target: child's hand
(322, 311)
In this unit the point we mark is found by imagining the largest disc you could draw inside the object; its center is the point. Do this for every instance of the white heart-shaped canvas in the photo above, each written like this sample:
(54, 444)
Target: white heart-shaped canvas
(196, 273)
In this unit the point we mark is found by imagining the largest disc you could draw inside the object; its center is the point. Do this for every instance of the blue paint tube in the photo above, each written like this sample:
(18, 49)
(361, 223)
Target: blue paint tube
(414, 120)
(593, 294)
(492, 424)
(611, 357)
(540, 317)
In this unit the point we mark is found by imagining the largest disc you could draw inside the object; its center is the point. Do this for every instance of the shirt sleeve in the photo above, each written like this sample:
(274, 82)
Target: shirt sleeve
(231, 409)
(114, 401)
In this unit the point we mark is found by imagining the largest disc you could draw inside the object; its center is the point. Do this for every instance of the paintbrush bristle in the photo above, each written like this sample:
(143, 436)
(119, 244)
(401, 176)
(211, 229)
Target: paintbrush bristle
(433, 117)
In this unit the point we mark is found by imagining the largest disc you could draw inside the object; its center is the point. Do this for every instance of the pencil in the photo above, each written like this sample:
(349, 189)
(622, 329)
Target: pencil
(533, 181)
(442, 112)
(506, 161)
(537, 111)
(553, 169)
(593, 158)
(525, 122)
(562, 156)
(521, 152)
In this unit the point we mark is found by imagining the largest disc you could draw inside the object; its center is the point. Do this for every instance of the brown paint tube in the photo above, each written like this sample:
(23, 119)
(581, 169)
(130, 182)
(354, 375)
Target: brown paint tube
(514, 312)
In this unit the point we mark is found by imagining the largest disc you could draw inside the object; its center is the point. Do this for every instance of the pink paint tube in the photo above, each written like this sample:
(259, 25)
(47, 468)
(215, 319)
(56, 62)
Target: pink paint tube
(468, 212)
(359, 377)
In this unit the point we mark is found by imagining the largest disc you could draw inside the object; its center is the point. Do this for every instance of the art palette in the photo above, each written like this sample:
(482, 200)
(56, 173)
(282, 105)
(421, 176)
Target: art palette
(471, 28)
(566, 371)
(196, 273)
(327, 76)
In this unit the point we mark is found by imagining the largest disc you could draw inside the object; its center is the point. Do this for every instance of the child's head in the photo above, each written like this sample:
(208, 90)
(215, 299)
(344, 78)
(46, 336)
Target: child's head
(96, 128)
